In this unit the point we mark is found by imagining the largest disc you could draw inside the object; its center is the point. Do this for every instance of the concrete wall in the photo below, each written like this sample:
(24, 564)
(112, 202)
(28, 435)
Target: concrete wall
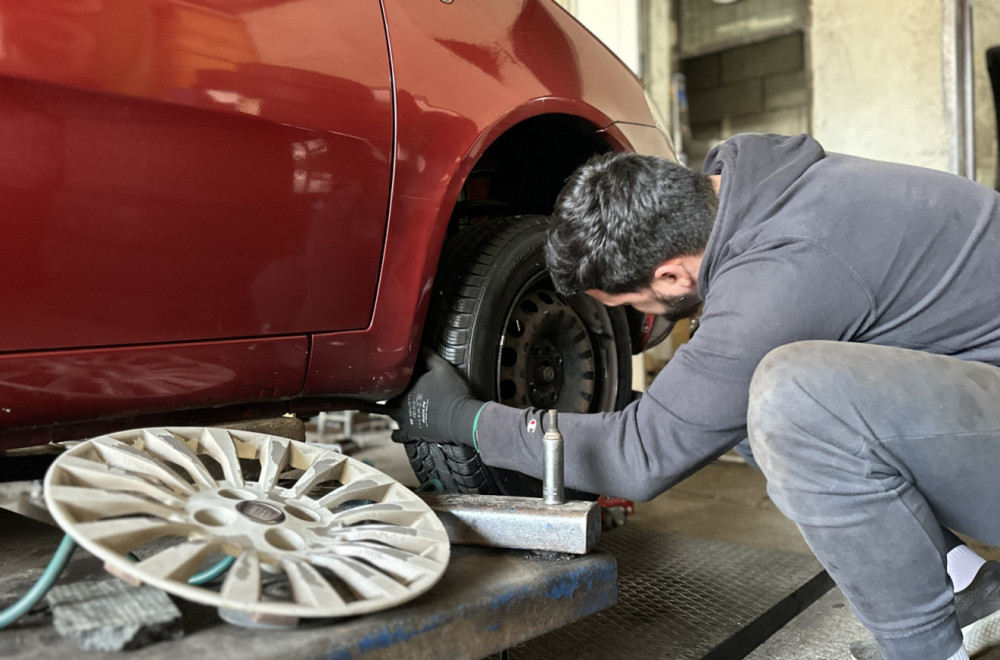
(986, 33)
(658, 36)
(709, 27)
(756, 88)
(885, 81)
(880, 86)
(615, 23)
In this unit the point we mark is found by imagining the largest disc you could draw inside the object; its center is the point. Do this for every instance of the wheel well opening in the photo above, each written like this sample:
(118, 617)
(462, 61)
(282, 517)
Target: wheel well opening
(524, 170)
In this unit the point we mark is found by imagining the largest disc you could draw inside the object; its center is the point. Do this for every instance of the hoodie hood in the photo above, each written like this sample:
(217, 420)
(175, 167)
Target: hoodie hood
(757, 169)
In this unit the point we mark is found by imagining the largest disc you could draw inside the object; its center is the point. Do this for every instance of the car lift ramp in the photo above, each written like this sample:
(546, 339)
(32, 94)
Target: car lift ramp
(677, 597)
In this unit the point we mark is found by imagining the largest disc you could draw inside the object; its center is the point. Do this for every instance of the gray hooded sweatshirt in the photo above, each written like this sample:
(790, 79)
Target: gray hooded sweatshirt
(806, 245)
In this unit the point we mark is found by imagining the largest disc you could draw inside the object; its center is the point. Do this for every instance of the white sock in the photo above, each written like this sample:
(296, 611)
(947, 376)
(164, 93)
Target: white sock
(963, 564)
(960, 654)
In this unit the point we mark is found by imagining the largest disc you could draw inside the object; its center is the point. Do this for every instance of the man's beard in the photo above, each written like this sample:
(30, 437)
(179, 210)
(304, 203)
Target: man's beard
(679, 307)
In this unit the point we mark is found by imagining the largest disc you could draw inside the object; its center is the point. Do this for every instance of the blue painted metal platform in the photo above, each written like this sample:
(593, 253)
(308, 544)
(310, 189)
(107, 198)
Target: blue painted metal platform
(678, 597)
(488, 600)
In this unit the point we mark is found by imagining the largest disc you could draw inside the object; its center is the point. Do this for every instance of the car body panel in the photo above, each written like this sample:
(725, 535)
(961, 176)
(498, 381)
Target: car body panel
(226, 203)
(51, 388)
(216, 176)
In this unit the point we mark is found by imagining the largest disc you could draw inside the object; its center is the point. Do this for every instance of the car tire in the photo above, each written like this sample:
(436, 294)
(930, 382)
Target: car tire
(496, 316)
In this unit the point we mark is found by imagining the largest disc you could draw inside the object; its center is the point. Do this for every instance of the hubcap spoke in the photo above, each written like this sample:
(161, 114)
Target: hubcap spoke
(325, 470)
(91, 504)
(360, 577)
(219, 445)
(273, 460)
(123, 535)
(309, 587)
(162, 444)
(242, 583)
(177, 563)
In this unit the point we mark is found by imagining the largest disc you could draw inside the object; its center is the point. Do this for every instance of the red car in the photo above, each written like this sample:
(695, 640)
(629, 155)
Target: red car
(227, 209)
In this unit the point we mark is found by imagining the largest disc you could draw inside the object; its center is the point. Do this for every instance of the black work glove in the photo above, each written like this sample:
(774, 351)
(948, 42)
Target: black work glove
(437, 406)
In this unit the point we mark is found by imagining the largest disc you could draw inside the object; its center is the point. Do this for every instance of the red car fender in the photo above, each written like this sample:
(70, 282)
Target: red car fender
(439, 140)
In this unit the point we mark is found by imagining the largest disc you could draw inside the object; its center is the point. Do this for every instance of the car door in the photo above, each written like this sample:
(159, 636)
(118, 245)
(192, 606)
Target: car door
(178, 176)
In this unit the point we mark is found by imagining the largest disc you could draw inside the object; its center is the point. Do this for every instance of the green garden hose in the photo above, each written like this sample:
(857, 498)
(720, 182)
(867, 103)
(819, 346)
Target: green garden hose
(44, 583)
(58, 563)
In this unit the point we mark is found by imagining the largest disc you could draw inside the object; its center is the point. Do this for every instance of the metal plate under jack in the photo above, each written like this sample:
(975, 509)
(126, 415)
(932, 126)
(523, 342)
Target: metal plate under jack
(313, 533)
(682, 597)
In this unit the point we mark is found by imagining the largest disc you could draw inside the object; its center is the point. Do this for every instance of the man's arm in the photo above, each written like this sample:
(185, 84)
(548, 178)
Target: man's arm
(695, 409)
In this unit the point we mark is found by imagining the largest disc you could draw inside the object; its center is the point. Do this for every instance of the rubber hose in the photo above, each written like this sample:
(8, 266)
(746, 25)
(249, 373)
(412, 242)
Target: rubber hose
(210, 574)
(58, 563)
(205, 576)
(42, 585)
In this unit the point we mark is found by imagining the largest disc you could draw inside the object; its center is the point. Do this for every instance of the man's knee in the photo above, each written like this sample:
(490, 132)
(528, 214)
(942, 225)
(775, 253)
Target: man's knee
(789, 373)
(792, 387)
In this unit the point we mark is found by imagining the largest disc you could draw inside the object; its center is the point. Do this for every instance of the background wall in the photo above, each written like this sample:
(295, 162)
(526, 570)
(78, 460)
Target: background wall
(879, 80)
(755, 88)
(883, 80)
(872, 78)
(879, 77)
(615, 23)
(986, 33)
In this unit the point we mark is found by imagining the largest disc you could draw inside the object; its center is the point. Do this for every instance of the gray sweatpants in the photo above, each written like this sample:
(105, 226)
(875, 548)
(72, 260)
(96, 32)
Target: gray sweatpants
(870, 450)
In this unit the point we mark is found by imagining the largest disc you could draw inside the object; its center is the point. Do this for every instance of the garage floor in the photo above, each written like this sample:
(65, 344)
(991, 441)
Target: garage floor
(726, 502)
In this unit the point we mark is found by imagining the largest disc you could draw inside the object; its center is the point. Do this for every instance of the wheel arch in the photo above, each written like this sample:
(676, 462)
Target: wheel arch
(424, 213)
(520, 166)
(525, 167)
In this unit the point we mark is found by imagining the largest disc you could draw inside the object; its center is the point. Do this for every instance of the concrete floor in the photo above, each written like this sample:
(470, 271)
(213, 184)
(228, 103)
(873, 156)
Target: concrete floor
(726, 501)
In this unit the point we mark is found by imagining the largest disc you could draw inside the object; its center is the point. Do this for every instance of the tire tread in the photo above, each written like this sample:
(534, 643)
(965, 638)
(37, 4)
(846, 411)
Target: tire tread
(458, 286)
(469, 263)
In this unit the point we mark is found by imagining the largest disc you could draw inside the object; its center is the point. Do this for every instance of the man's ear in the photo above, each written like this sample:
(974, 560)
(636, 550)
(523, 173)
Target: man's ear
(673, 271)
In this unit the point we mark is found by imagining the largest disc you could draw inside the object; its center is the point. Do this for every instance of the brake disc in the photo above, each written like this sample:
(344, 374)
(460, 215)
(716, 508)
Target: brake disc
(314, 533)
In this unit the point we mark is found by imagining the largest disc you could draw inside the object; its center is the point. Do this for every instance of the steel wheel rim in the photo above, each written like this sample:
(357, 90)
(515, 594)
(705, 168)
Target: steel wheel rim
(342, 537)
(549, 357)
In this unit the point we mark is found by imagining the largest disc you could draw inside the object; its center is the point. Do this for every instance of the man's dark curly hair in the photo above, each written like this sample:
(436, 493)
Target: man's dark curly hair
(620, 215)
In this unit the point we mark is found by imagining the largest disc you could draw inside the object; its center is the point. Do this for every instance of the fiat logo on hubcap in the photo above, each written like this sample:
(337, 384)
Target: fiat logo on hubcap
(261, 512)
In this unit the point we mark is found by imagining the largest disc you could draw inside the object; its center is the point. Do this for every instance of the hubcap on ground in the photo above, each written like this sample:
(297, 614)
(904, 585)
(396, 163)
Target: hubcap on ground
(314, 533)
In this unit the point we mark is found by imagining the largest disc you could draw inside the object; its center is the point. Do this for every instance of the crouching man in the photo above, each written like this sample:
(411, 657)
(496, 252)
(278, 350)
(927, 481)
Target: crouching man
(850, 329)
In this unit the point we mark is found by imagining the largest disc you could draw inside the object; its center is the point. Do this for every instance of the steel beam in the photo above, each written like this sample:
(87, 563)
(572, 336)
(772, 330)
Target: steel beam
(523, 523)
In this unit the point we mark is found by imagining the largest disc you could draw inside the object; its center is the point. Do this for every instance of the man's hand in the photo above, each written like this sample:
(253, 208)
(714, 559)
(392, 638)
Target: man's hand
(437, 406)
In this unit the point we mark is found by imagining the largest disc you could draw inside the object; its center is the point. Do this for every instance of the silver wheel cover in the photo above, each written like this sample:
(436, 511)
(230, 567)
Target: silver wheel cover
(314, 533)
